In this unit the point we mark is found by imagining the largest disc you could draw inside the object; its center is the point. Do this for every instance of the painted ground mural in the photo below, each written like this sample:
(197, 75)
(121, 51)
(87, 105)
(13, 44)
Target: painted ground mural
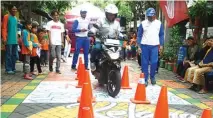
(55, 96)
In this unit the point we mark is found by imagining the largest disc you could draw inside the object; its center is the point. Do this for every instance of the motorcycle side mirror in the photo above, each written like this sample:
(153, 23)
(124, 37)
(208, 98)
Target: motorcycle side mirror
(96, 26)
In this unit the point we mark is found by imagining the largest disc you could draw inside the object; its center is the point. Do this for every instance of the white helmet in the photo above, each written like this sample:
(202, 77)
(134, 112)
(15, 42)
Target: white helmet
(83, 10)
(111, 8)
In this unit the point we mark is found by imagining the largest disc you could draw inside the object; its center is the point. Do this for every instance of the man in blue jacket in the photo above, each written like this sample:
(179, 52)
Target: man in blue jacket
(150, 36)
(80, 28)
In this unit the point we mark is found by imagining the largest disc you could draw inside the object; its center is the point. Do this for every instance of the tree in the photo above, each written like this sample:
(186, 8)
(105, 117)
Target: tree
(47, 6)
(199, 13)
(124, 10)
(60, 6)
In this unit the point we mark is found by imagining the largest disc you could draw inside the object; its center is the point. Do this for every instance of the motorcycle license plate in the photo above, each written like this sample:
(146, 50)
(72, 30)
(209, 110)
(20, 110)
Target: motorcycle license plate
(112, 42)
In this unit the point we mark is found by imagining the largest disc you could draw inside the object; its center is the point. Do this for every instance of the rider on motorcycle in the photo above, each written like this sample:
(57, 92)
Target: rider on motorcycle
(111, 25)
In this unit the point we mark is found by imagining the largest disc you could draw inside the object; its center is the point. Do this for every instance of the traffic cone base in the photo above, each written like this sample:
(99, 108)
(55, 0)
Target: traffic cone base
(86, 101)
(162, 107)
(79, 99)
(140, 94)
(79, 86)
(139, 102)
(126, 88)
(86, 113)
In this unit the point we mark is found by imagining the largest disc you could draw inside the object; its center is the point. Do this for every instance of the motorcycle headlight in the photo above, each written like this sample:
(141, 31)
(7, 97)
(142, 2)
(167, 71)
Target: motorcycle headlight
(113, 55)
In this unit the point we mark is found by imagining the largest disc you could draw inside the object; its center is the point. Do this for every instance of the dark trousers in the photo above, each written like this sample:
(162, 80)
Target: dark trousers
(55, 52)
(11, 57)
(3, 57)
(181, 69)
(124, 53)
(139, 59)
(44, 57)
(33, 61)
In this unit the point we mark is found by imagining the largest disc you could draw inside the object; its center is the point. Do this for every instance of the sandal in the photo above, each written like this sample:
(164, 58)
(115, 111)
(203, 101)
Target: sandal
(192, 87)
(202, 91)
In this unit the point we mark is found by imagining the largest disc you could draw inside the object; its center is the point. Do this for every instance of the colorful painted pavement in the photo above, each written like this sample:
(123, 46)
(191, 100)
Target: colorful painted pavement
(55, 96)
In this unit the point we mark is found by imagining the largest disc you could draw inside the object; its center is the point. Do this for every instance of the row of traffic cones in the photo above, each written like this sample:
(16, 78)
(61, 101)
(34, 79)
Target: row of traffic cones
(86, 98)
(162, 107)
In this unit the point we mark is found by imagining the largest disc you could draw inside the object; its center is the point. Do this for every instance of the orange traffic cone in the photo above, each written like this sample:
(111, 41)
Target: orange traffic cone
(87, 80)
(86, 113)
(78, 71)
(86, 101)
(207, 113)
(81, 78)
(140, 95)
(162, 108)
(125, 79)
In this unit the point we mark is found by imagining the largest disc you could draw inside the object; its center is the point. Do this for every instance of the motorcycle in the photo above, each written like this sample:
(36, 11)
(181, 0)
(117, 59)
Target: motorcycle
(108, 64)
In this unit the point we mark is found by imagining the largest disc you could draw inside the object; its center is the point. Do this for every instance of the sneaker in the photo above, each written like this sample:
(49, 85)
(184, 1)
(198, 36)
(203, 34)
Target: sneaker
(51, 68)
(10, 72)
(40, 73)
(153, 82)
(58, 71)
(34, 73)
(146, 84)
(93, 67)
(73, 68)
(27, 77)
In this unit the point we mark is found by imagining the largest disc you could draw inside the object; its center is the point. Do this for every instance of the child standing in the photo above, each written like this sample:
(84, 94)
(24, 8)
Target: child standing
(35, 59)
(43, 38)
(26, 50)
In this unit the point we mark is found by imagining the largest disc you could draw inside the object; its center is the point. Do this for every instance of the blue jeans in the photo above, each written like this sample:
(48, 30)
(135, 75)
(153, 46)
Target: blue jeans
(11, 57)
(149, 55)
(81, 42)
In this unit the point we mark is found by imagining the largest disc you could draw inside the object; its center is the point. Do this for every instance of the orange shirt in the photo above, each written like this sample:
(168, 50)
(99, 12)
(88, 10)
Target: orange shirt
(35, 41)
(124, 44)
(44, 42)
(24, 49)
(4, 27)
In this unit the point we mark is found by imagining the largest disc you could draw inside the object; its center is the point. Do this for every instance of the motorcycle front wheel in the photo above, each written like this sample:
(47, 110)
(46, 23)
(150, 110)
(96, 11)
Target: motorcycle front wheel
(114, 83)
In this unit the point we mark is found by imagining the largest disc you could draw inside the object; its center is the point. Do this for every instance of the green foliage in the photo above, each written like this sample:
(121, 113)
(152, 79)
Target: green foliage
(100, 3)
(61, 6)
(172, 46)
(125, 10)
(200, 9)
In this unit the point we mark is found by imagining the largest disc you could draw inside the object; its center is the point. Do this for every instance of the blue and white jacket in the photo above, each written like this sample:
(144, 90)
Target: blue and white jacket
(79, 24)
(150, 33)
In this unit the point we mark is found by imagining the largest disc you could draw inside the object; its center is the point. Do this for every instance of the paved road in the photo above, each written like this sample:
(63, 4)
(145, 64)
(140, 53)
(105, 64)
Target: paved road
(54, 96)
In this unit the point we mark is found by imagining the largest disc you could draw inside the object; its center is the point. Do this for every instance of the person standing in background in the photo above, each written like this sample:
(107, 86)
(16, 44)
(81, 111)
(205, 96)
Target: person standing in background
(44, 41)
(80, 28)
(10, 39)
(35, 55)
(56, 35)
(26, 50)
(67, 47)
(150, 36)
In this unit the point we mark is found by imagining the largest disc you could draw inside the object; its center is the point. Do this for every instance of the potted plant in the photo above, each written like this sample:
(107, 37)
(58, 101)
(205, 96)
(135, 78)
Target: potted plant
(172, 47)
